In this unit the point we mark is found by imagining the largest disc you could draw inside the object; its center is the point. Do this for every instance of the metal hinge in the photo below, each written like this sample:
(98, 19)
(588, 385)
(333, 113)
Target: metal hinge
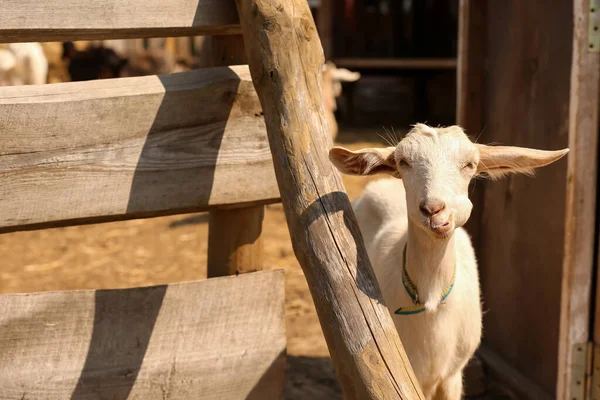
(579, 370)
(594, 26)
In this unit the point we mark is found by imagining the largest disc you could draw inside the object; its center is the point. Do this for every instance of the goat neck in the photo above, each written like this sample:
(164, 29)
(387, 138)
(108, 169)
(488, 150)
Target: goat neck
(430, 262)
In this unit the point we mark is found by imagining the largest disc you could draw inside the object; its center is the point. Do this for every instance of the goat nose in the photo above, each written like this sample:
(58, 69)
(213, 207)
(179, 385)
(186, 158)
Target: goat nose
(431, 207)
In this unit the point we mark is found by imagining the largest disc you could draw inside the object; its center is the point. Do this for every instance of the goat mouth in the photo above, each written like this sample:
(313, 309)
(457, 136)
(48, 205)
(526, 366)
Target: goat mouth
(441, 228)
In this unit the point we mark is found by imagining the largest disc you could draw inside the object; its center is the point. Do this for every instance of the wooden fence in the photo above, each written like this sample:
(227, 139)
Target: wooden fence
(84, 152)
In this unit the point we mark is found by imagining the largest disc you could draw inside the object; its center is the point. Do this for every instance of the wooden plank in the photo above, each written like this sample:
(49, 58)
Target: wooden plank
(286, 59)
(470, 93)
(234, 241)
(509, 377)
(227, 50)
(132, 147)
(470, 65)
(522, 218)
(581, 203)
(215, 339)
(325, 26)
(234, 237)
(397, 63)
(62, 20)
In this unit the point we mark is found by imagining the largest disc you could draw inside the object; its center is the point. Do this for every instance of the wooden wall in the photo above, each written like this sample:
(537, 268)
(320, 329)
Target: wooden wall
(521, 219)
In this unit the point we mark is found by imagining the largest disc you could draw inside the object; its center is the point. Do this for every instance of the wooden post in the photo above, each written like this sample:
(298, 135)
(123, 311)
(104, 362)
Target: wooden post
(581, 196)
(470, 68)
(469, 90)
(227, 50)
(235, 245)
(325, 25)
(286, 58)
(234, 238)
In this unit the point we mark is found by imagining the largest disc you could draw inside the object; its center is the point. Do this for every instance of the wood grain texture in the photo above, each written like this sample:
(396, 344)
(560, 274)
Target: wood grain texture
(397, 63)
(227, 50)
(470, 65)
(470, 92)
(581, 202)
(215, 339)
(286, 59)
(528, 62)
(131, 147)
(325, 26)
(61, 20)
(234, 236)
(234, 241)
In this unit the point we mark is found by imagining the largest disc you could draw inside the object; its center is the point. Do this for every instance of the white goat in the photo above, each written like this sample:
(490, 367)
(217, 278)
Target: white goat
(23, 64)
(423, 259)
(332, 89)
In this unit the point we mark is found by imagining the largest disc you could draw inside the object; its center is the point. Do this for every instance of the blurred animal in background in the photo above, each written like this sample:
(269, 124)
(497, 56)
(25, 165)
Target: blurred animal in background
(100, 62)
(23, 64)
(95, 62)
(332, 89)
(152, 62)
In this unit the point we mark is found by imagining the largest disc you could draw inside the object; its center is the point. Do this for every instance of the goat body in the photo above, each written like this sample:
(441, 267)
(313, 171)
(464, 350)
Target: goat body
(332, 89)
(438, 342)
(23, 64)
(100, 62)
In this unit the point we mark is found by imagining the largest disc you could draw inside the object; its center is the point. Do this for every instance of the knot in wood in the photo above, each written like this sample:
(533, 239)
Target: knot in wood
(270, 24)
(306, 29)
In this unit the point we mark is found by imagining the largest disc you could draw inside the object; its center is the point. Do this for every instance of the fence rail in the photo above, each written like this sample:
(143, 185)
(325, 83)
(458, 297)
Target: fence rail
(123, 148)
(61, 20)
(214, 339)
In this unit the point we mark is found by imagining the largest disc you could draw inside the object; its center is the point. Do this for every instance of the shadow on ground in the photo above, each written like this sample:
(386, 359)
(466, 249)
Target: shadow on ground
(311, 378)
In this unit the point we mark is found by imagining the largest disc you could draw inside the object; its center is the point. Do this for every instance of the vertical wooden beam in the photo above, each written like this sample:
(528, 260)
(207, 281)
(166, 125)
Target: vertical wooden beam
(470, 69)
(227, 50)
(325, 27)
(234, 239)
(469, 89)
(235, 244)
(582, 181)
(286, 58)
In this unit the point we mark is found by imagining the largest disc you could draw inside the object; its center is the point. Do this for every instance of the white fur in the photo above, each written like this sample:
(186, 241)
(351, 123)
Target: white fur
(23, 64)
(438, 342)
(332, 89)
(435, 166)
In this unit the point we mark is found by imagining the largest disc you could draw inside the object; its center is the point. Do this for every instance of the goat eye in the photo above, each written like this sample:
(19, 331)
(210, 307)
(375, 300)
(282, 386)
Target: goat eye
(469, 165)
(403, 163)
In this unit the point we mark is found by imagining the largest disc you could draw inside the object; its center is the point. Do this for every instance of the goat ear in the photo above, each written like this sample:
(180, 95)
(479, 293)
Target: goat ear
(498, 161)
(345, 75)
(365, 161)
